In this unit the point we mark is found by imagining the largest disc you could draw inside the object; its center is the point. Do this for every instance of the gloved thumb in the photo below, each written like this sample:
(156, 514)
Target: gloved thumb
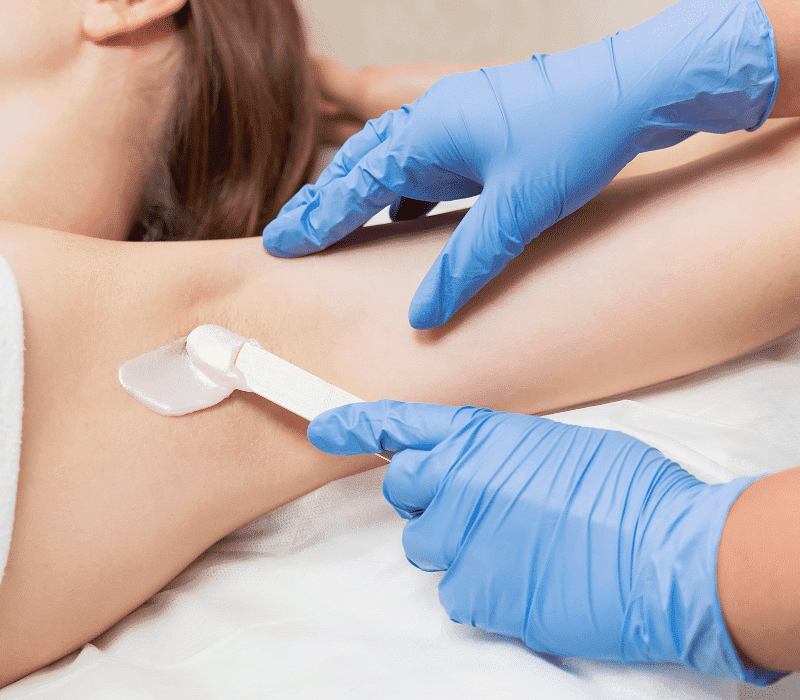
(364, 428)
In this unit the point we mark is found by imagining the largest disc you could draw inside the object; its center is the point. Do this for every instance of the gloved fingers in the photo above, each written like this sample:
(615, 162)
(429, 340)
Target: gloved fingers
(363, 428)
(413, 479)
(465, 593)
(337, 209)
(374, 133)
(485, 241)
(300, 198)
(429, 543)
(288, 234)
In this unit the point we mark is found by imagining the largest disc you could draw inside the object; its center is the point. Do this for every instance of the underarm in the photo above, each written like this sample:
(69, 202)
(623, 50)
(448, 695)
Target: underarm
(659, 276)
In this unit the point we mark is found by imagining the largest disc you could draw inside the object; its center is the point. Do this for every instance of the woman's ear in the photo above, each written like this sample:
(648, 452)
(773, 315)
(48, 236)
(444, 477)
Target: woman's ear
(106, 19)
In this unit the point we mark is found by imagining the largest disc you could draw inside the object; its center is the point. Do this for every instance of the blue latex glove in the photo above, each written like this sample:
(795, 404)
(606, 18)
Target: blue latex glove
(539, 139)
(580, 542)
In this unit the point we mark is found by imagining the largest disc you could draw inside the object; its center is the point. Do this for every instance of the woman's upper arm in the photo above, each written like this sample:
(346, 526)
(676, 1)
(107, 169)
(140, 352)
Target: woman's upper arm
(110, 494)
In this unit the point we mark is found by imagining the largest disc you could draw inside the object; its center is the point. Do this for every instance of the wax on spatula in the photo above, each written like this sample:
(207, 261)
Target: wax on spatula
(212, 362)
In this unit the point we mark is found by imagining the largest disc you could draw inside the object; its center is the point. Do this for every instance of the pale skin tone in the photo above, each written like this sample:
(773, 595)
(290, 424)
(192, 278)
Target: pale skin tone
(690, 258)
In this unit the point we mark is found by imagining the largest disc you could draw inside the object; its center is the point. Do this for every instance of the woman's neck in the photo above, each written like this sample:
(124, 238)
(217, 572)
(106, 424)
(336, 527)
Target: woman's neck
(74, 144)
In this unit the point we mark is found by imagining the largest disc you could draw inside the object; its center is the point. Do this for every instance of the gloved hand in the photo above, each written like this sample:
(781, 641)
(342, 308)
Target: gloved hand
(580, 542)
(539, 139)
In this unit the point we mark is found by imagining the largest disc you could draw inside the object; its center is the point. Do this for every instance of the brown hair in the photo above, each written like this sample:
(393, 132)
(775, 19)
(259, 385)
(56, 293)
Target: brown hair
(243, 137)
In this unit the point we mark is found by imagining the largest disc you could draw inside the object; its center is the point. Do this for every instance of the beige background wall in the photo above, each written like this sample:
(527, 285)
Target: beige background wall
(360, 32)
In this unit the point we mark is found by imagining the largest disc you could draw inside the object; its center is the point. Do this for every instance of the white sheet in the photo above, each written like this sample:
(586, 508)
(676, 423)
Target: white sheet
(316, 600)
(11, 375)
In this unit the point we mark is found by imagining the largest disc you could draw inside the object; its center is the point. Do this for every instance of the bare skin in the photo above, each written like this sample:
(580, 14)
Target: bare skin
(757, 565)
(80, 117)
(784, 15)
(115, 500)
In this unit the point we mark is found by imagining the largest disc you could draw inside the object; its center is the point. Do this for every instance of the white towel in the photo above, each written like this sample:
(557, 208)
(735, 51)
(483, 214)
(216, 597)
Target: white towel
(11, 378)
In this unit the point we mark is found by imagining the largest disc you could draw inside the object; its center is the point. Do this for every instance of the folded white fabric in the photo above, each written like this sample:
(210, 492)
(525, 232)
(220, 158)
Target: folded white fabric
(11, 380)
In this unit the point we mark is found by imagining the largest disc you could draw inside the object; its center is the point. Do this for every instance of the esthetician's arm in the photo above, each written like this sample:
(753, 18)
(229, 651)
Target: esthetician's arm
(757, 578)
(784, 15)
(659, 276)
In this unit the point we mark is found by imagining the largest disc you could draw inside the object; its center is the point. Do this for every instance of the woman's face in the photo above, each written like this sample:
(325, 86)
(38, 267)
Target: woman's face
(72, 117)
(37, 37)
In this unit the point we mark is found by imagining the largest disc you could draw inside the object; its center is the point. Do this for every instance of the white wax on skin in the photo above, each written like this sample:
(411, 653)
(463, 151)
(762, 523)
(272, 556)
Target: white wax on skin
(213, 351)
(200, 370)
(188, 375)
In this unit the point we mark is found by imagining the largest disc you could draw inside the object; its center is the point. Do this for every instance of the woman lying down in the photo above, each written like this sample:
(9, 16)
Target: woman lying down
(154, 119)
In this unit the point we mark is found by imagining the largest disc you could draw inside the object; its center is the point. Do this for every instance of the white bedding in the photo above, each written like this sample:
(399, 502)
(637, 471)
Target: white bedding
(11, 375)
(316, 599)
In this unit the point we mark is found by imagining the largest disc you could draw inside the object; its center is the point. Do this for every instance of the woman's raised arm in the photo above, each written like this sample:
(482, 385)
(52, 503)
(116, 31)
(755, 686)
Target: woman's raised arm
(659, 276)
